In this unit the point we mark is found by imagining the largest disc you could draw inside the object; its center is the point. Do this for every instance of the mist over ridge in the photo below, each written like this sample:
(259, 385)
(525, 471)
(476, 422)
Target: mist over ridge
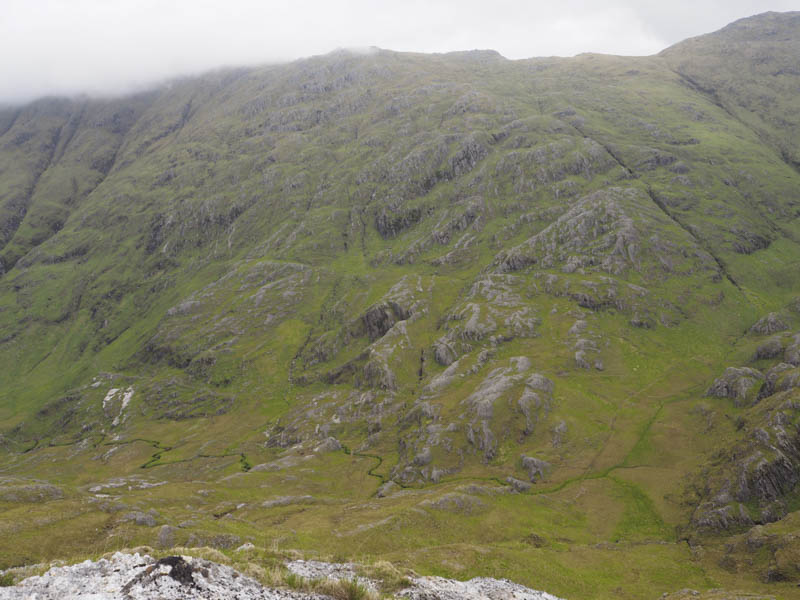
(112, 48)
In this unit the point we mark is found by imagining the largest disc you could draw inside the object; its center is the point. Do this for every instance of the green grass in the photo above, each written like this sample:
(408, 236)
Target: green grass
(223, 265)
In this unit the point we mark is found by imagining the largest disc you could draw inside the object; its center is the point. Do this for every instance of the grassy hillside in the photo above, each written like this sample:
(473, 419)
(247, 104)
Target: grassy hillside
(534, 319)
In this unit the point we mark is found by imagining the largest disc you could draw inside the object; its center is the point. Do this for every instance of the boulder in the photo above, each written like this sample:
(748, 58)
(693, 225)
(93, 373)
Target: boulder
(288, 501)
(518, 485)
(535, 467)
(772, 348)
(330, 444)
(387, 489)
(140, 518)
(781, 377)
(792, 353)
(30, 493)
(768, 325)
(443, 352)
(166, 536)
(380, 318)
(740, 384)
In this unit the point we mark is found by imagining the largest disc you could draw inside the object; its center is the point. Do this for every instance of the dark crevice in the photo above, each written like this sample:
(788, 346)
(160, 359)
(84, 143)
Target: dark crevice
(56, 140)
(11, 123)
(709, 93)
(60, 143)
(111, 163)
(789, 160)
(23, 203)
(712, 95)
(363, 232)
(71, 126)
(705, 246)
(109, 167)
(105, 169)
(654, 198)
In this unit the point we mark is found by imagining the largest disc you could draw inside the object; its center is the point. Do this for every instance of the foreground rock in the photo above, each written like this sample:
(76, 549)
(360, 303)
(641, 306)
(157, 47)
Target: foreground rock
(479, 588)
(135, 577)
(425, 588)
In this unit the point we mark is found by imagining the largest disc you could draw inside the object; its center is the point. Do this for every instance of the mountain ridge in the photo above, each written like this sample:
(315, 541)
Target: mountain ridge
(462, 314)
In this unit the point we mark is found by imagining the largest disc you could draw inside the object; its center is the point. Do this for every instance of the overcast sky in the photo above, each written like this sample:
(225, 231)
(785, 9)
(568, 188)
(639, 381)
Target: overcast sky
(113, 46)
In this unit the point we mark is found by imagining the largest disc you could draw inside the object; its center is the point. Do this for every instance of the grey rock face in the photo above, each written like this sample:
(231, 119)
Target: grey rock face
(781, 377)
(330, 444)
(738, 384)
(535, 467)
(386, 489)
(772, 348)
(721, 518)
(768, 325)
(34, 492)
(455, 503)
(222, 541)
(378, 375)
(288, 501)
(758, 470)
(518, 485)
(379, 319)
(792, 353)
(166, 536)
(390, 224)
(316, 569)
(424, 457)
(140, 518)
(480, 588)
(443, 353)
(136, 577)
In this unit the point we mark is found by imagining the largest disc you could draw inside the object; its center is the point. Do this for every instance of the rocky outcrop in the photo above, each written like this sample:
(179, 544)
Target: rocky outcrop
(380, 318)
(16, 491)
(753, 477)
(377, 375)
(391, 224)
(144, 519)
(493, 311)
(740, 384)
(536, 468)
(479, 588)
(772, 323)
(780, 378)
(136, 577)
(518, 485)
(443, 352)
(770, 552)
(770, 349)
(330, 444)
(792, 353)
(608, 231)
(423, 588)
(288, 501)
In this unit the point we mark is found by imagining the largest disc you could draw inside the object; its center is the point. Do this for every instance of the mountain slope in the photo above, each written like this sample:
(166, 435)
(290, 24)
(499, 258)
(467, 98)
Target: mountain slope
(533, 318)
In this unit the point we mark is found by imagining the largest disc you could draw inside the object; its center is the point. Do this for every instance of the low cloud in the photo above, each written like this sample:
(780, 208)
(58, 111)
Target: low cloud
(115, 46)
